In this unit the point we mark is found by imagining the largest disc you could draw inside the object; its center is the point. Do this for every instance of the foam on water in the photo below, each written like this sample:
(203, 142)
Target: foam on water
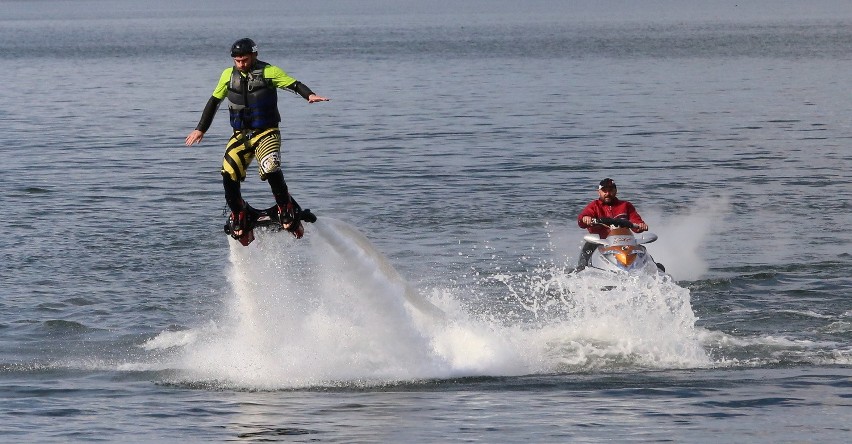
(589, 321)
(314, 316)
(333, 310)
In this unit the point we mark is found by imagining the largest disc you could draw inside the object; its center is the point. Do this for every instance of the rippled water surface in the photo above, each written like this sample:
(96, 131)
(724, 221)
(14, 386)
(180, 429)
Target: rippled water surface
(434, 300)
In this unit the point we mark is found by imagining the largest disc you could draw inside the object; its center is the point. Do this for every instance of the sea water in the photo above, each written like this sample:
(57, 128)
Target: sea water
(434, 299)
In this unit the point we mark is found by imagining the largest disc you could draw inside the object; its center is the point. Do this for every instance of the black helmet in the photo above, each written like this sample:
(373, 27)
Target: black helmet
(243, 47)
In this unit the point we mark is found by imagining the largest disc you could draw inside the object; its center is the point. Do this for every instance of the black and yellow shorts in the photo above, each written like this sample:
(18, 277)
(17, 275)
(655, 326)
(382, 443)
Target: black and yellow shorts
(264, 144)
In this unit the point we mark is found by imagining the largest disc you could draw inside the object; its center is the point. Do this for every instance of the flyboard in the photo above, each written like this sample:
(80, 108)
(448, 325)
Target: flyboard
(268, 219)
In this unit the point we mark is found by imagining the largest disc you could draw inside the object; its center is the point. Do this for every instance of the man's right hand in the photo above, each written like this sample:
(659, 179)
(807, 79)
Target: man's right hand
(587, 220)
(194, 137)
(313, 98)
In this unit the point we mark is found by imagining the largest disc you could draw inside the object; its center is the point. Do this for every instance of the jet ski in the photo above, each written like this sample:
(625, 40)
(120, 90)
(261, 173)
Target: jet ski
(621, 251)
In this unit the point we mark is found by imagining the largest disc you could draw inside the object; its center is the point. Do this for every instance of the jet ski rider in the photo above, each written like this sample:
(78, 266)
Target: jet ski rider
(606, 205)
(250, 86)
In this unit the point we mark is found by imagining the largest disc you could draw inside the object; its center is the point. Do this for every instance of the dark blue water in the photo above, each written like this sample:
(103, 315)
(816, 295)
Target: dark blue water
(434, 299)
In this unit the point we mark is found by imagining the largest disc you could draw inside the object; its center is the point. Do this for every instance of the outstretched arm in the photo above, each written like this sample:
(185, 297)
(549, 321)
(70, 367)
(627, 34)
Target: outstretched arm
(206, 120)
(303, 90)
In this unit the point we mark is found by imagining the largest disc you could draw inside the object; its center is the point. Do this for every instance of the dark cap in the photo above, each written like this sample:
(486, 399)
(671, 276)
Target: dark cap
(607, 183)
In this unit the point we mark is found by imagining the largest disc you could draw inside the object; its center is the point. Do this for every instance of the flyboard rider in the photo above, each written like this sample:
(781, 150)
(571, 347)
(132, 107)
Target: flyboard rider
(251, 88)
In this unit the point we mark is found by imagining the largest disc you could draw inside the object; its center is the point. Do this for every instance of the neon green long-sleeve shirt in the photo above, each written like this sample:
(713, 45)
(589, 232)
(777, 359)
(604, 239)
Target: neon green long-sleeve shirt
(279, 79)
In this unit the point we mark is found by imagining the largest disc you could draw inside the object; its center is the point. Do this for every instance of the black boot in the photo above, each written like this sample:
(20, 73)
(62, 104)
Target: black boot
(238, 221)
(287, 208)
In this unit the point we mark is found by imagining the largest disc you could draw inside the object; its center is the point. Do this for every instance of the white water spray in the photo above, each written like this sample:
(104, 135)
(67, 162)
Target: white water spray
(332, 310)
(683, 237)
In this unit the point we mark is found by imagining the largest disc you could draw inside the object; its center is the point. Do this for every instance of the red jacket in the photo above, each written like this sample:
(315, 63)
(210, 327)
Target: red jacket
(618, 209)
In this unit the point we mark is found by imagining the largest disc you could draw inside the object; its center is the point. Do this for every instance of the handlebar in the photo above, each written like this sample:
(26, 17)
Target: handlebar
(610, 221)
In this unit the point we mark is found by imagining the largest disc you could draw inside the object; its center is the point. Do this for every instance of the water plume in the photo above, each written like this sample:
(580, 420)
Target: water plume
(330, 309)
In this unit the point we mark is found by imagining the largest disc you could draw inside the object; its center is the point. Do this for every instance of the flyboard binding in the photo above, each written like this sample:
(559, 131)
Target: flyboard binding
(267, 218)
